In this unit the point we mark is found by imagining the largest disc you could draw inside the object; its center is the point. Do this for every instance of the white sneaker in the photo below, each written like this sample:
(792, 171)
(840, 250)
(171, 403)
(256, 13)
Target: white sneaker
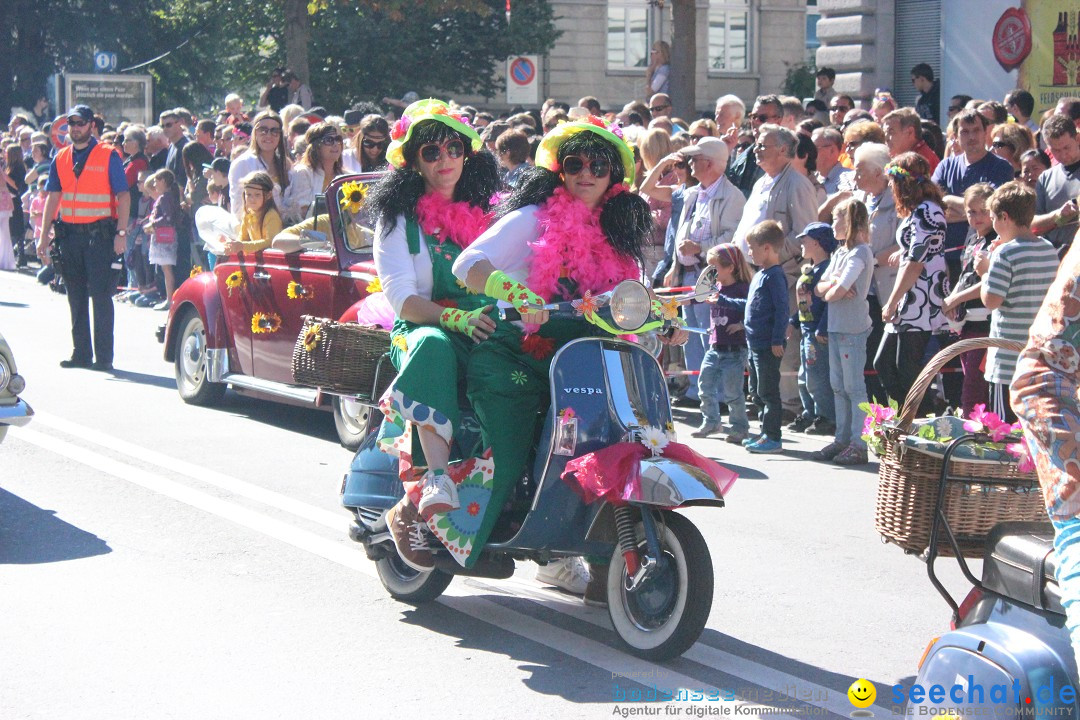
(439, 495)
(569, 574)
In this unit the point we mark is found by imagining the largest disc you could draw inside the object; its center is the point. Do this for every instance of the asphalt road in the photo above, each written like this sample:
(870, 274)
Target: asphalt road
(159, 560)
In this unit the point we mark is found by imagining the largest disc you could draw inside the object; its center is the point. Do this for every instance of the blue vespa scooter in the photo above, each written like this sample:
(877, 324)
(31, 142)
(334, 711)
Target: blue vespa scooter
(1008, 652)
(660, 575)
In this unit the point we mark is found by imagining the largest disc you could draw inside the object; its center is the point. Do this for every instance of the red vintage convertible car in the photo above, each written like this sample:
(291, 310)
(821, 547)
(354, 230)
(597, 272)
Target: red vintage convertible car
(237, 324)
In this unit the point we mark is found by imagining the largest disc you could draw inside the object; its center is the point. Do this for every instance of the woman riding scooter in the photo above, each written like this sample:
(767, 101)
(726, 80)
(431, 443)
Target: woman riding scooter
(432, 205)
(571, 230)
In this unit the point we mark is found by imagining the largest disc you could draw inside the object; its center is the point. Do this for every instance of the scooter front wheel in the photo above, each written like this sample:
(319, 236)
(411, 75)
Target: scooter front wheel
(665, 614)
(409, 585)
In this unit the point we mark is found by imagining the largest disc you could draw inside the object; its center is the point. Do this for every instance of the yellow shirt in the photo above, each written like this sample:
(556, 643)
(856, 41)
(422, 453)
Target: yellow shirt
(255, 237)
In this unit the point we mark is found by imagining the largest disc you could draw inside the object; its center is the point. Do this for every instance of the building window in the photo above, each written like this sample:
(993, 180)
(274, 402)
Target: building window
(729, 36)
(813, 14)
(627, 35)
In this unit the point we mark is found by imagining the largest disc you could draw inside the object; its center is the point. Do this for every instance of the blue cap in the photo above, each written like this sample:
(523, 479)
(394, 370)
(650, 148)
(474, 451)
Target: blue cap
(81, 111)
(822, 232)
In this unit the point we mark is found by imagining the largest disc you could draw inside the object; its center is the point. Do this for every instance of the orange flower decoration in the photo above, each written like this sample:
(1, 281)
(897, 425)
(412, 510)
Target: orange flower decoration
(586, 306)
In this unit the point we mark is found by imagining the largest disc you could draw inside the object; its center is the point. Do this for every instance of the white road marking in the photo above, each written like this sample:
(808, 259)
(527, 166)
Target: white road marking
(461, 596)
(235, 486)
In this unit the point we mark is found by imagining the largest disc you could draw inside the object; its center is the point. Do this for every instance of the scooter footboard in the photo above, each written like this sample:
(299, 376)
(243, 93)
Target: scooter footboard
(670, 483)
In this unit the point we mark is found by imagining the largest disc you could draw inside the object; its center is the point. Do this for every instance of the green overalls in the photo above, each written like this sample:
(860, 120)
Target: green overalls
(430, 361)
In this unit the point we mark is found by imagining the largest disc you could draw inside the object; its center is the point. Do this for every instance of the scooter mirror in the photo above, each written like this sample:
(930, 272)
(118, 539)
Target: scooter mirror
(706, 281)
(630, 305)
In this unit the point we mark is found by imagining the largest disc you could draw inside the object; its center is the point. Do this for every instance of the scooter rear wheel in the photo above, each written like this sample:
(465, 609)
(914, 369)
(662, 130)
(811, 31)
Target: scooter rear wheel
(409, 585)
(664, 616)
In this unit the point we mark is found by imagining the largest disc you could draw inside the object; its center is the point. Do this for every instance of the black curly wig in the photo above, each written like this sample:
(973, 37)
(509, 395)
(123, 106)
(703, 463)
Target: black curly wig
(624, 218)
(400, 189)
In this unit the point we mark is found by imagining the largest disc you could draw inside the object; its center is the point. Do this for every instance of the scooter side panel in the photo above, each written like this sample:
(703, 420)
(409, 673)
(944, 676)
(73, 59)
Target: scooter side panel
(1003, 642)
(610, 386)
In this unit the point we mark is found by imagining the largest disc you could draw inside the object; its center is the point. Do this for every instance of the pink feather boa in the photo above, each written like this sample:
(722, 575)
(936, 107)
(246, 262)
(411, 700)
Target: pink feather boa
(459, 221)
(572, 243)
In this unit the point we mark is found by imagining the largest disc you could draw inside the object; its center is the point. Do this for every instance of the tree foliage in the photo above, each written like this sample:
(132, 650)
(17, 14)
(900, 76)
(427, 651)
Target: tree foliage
(202, 49)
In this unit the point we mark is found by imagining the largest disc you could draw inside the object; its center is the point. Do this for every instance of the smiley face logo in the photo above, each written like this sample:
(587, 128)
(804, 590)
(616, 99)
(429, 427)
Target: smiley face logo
(862, 693)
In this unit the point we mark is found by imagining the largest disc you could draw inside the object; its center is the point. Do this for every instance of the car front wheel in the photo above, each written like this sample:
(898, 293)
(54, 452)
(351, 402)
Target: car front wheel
(191, 364)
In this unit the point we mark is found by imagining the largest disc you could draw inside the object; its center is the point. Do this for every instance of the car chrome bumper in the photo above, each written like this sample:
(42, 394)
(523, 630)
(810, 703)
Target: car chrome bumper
(18, 414)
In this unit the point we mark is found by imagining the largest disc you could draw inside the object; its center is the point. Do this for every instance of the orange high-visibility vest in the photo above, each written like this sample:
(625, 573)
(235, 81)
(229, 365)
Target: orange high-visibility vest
(88, 197)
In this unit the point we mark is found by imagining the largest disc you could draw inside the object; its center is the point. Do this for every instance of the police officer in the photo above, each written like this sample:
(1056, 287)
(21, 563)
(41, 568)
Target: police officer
(87, 185)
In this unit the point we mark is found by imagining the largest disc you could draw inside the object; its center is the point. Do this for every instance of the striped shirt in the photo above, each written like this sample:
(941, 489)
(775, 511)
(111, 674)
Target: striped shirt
(1021, 271)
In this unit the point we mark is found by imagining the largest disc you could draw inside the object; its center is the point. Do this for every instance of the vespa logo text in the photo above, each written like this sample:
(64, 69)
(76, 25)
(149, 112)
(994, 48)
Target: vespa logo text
(583, 391)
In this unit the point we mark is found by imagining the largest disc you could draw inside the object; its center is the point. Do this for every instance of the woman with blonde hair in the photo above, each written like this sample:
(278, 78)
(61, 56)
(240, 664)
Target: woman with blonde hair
(702, 128)
(267, 153)
(1010, 141)
(654, 146)
(321, 162)
(659, 70)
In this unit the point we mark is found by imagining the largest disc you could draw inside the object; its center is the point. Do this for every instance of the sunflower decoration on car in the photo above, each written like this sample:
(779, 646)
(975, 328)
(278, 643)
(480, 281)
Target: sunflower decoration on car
(197, 270)
(234, 281)
(311, 337)
(374, 286)
(353, 194)
(296, 291)
(263, 323)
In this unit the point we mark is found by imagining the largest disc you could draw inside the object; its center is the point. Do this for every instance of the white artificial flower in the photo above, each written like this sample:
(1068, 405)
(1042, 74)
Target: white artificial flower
(655, 439)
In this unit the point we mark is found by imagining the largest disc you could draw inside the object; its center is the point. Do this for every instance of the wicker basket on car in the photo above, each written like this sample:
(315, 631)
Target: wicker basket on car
(908, 480)
(343, 358)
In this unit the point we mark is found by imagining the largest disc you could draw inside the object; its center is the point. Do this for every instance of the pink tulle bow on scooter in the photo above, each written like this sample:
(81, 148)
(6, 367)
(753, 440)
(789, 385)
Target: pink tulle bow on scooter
(613, 474)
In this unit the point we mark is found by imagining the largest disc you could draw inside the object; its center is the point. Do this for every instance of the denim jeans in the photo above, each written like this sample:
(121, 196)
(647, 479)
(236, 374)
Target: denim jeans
(814, 385)
(1067, 547)
(721, 381)
(696, 315)
(847, 358)
(766, 368)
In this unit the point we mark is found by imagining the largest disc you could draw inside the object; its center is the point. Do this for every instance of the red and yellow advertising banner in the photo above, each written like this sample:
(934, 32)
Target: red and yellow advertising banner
(1040, 39)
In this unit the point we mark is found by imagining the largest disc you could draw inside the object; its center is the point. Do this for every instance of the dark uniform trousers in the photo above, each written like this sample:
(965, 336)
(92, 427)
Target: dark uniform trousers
(86, 252)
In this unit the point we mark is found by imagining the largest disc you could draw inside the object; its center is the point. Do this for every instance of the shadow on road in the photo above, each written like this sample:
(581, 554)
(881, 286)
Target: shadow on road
(30, 535)
(13, 304)
(308, 421)
(144, 379)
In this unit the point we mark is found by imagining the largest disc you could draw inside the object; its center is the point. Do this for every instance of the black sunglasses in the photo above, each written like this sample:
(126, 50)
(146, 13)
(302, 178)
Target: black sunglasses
(683, 165)
(331, 140)
(432, 153)
(78, 123)
(371, 144)
(658, 108)
(763, 118)
(839, 108)
(600, 168)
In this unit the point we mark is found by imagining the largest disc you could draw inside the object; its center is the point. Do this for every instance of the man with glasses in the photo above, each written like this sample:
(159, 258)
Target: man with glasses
(903, 133)
(174, 132)
(957, 103)
(927, 105)
(840, 106)
(743, 171)
(711, 212)
(829, 142)
(660, 105)
(787, 196)
(87, 186)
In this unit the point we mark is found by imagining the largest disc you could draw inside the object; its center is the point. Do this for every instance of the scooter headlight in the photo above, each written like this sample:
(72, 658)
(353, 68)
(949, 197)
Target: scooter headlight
(630, 305)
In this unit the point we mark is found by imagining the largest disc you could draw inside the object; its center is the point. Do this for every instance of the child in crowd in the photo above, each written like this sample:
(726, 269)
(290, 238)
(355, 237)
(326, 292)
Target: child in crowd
(1015, 279)
(261, 219)
(138, 260)
(162, 223)
(964, 305)
(818, 415)
(844, 286)
(765, 326)
(721, 378)
(35, 208)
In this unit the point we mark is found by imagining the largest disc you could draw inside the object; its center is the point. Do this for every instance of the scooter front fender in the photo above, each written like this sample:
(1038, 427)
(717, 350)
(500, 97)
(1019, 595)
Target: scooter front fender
(670, 483)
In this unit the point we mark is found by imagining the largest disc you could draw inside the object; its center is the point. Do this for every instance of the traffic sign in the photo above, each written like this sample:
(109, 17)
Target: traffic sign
(105, 61)
(522, 86)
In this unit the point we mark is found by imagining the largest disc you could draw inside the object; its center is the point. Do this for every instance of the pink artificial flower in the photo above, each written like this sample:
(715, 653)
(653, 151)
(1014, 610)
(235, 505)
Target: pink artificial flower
(401, 127)
(999, 433)
(868, 425)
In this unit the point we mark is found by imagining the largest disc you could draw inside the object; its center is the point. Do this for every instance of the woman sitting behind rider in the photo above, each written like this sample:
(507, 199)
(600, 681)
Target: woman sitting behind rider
(570, 227)
(434, 203)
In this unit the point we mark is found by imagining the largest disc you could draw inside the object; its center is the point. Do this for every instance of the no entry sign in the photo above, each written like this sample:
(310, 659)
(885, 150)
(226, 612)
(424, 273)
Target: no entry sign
(522, 86)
